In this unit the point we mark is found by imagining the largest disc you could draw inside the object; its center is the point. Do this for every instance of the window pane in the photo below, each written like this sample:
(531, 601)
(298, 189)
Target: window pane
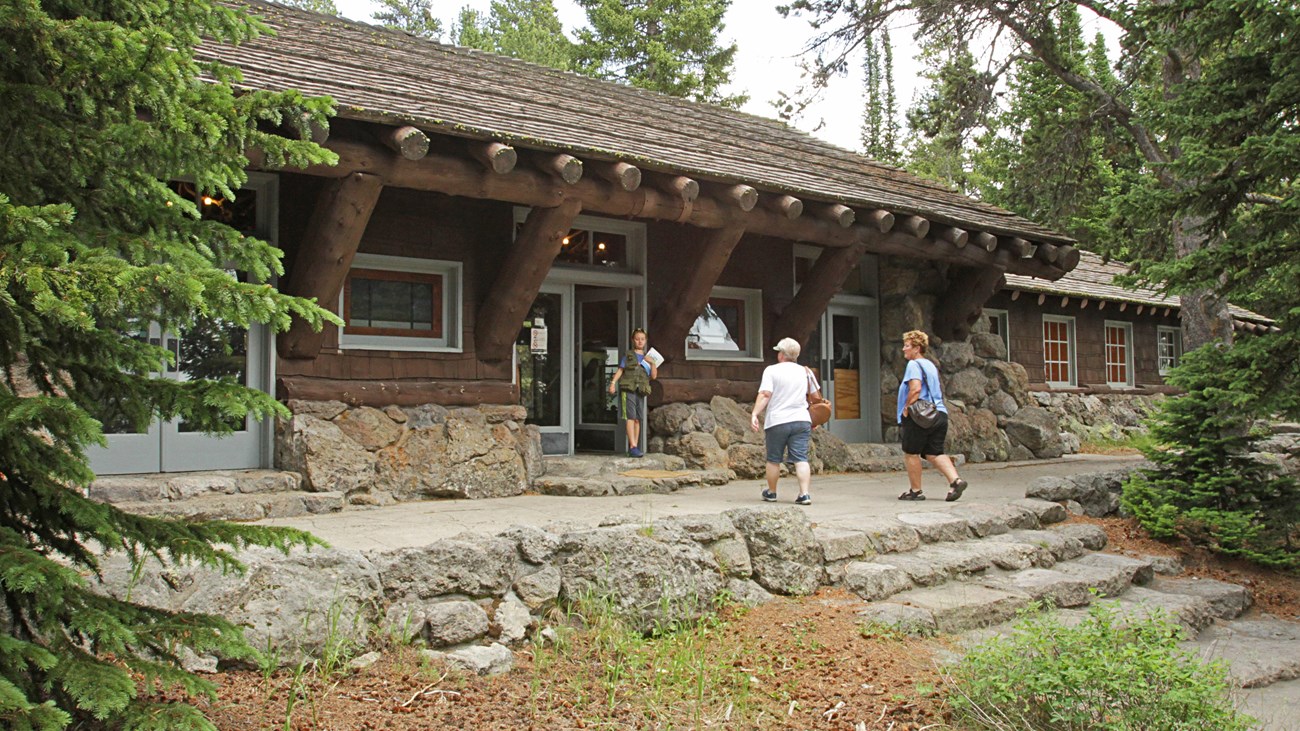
(394, 303)
(721, 327)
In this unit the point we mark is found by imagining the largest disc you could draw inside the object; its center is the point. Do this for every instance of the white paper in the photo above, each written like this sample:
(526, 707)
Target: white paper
(654, 358)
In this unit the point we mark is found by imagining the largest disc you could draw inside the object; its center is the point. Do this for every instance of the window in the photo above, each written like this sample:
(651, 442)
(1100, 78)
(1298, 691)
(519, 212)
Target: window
(400, 303)
(595, 242)
(998, 325)
(1119, 356)
(1058, 350)
(730, 327)
(1169, 346)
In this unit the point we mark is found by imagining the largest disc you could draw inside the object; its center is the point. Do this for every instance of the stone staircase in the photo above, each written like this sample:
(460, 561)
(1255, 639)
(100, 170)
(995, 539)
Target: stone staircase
(242, 495)
(969, 571)
(590, 475)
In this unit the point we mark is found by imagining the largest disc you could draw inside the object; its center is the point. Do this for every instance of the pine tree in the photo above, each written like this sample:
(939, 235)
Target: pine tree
(667, 46)
(104, 104)
(880, 114)
(525, 29)
(413, 16)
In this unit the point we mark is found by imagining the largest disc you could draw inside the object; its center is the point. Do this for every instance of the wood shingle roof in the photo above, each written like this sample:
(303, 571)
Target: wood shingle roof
(385, 76)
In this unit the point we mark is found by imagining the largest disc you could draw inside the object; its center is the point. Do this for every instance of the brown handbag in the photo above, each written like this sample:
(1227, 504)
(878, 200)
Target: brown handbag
(819, 409)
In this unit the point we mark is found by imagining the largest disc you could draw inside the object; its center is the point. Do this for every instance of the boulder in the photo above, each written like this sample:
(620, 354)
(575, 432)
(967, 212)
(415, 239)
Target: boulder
(786, 555)
(649, 578)
(1037, 430)
(369, 427)
(326, 458)
(472, 566)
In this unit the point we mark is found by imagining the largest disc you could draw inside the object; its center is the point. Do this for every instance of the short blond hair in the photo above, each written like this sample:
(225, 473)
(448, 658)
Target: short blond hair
(917, 338)
(789, 346)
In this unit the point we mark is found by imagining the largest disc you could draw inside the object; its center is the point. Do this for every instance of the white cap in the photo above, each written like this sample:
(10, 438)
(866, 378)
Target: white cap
(789, 346)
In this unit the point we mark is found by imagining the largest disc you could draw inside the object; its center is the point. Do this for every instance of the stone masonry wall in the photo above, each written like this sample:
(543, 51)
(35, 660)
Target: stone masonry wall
(379, 456)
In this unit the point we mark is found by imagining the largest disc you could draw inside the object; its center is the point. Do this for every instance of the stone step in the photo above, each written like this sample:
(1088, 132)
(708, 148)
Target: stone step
(241, 507)
(172, 486)
(1259, 651)
(587, 475)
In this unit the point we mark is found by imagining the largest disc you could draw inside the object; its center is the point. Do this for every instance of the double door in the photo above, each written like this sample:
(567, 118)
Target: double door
(211, 349)
(566, 357)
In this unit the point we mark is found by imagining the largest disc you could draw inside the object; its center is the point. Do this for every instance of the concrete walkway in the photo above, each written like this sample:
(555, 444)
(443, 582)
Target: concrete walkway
(837, 499)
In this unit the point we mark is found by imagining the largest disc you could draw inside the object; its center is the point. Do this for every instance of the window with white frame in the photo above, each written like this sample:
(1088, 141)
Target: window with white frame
(730, 328)
(594, 242)
(998, 325)
(401, 303)
(1169, 347)
(1119, 354)
(1058, 350)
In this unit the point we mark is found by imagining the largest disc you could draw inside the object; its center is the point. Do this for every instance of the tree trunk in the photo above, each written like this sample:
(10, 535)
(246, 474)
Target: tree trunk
(1205, 315)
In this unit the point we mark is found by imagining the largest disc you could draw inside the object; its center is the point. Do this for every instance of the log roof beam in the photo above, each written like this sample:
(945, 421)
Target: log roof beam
(623, 175)
(498, 157)
(520, 278)
(408, 141)
(457, 175)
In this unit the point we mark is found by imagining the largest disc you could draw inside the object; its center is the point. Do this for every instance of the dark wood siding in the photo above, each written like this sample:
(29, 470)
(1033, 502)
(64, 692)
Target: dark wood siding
(1025, 323)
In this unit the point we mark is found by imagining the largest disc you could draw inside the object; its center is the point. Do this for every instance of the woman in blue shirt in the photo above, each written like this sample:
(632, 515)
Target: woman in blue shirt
(921, 381)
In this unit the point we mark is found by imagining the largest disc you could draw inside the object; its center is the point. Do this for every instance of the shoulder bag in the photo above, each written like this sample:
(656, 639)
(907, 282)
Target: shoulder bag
(924, 413)
(819, 409)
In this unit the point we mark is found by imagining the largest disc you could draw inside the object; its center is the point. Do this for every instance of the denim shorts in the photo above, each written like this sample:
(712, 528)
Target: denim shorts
(794, 436)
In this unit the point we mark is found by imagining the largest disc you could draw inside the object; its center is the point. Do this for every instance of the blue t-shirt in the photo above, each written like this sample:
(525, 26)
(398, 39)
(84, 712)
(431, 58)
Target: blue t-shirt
(923, 370)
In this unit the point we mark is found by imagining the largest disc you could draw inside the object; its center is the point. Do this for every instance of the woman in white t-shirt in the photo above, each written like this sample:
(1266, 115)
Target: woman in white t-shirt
(787, 430)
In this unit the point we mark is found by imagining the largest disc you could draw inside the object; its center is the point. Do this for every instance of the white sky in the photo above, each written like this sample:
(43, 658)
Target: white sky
(766, 62)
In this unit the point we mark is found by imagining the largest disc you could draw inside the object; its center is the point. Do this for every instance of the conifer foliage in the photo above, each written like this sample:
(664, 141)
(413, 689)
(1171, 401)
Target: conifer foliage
(102, 104)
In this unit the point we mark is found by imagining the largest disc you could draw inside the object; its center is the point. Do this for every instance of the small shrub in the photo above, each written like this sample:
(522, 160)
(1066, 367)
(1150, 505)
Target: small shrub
(1206, 486)
(1107, 673)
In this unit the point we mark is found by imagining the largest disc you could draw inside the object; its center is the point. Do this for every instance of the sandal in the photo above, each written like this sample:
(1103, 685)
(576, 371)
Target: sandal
(912, 495)
(955, 490)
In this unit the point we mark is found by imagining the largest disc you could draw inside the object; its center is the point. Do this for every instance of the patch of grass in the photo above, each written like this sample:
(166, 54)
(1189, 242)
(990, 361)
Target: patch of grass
(1106, 673)
(606, 671)
(1133, 443)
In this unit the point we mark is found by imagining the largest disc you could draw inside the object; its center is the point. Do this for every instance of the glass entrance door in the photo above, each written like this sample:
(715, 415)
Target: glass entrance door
(602, 336)
(211, 350)
(846, 348)
(543, 368)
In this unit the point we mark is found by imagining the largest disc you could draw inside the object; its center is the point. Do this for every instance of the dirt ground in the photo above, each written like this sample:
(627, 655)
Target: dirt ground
(791, 664)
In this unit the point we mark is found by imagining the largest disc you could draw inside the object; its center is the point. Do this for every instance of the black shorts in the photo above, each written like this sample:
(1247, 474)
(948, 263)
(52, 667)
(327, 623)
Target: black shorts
(925, 442)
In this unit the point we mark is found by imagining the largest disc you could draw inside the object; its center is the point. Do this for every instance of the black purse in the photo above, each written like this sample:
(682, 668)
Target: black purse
(924, 413)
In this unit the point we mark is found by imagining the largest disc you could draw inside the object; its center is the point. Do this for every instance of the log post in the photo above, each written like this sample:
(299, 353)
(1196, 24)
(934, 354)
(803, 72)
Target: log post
(785, 205)
(824, 280)
(970, 288)
(519, 278)
(914, 226)
(986, 240)
(627, 177)
(882, 220)
(325, 254)
(561, 166)
(673, 319)
(837, 213)
(498, 157)
(409, 142)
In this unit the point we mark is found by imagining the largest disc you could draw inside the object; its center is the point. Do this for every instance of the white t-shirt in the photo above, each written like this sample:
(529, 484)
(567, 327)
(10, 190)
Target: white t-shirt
(788, 384)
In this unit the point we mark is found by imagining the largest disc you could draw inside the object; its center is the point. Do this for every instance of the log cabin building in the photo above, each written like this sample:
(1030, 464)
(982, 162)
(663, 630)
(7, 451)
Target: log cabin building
(494, 230)
(1083, 333)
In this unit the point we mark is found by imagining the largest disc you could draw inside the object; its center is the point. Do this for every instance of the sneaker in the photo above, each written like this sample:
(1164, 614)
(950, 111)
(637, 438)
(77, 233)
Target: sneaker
(635, 452)
(804, 499)
(769, 496)
(955, 490)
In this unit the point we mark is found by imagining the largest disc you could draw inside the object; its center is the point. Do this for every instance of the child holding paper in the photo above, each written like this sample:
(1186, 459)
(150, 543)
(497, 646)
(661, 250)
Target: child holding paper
(636, 369)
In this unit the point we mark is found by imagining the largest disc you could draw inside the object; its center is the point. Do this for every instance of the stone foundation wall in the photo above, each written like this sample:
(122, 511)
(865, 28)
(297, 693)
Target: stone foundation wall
(1096, 417)
(379, 456)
